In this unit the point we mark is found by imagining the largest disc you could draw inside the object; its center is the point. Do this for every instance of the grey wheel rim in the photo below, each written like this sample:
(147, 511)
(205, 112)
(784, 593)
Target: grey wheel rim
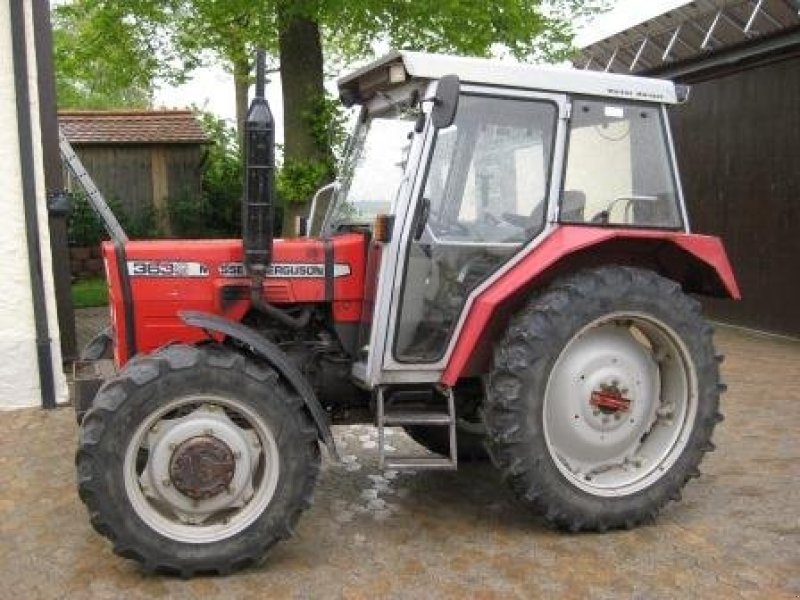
(620, 404)
(201, 469)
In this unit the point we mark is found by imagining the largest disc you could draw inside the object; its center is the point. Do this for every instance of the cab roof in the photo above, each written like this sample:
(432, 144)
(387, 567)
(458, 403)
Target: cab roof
(399, 66)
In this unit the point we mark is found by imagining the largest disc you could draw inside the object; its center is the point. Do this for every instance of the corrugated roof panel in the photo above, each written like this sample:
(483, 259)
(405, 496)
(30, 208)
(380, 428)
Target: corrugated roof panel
(689, 31)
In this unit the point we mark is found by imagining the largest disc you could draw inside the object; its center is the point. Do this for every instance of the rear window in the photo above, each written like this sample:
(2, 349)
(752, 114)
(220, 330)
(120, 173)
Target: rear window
(619, 170)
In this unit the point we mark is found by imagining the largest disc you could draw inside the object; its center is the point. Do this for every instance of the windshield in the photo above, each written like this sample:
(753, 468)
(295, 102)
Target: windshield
(372, 170)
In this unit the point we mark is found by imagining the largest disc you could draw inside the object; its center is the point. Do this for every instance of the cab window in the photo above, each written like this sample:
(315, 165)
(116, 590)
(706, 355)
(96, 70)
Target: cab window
(619, 170)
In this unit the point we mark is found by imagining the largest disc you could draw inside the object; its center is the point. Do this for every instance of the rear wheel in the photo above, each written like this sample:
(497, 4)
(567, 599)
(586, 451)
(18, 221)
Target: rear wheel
(603, 398)
(196, 460)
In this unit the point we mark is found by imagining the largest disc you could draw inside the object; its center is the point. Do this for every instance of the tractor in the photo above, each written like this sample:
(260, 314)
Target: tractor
(504, 267)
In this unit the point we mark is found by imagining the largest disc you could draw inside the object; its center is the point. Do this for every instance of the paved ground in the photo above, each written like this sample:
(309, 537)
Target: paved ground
(735, 534)
(88, 323)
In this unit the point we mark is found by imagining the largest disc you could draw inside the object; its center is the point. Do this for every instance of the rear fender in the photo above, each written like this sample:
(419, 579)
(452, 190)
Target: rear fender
(275, 357)
(698, 262)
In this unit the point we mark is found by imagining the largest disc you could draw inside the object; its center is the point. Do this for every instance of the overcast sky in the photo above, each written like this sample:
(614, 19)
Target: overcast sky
(212, 88)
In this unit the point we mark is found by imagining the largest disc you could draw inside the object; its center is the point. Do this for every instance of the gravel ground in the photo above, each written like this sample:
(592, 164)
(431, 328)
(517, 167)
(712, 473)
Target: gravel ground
(374, 534)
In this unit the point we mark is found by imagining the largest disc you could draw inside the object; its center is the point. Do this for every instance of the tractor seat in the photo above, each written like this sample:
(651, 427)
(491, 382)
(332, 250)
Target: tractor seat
(573, 203)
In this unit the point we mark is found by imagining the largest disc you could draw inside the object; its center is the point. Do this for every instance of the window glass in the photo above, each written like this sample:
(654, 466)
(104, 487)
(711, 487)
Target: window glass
(484, 196)
(618, 168)
(488, 175)
(371, 173)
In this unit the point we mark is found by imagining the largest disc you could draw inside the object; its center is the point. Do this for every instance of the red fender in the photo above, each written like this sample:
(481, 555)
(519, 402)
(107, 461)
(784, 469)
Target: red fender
(670, 252)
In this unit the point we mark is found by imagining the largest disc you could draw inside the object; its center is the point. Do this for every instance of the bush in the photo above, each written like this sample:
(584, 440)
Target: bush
(84, 227)
(222, 180)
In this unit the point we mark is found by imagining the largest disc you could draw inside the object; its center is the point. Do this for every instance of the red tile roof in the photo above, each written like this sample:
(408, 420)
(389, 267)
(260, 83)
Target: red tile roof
(132, 127)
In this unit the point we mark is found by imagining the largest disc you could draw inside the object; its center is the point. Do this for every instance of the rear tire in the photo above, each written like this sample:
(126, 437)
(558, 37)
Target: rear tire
(239, 452)
(570, 437)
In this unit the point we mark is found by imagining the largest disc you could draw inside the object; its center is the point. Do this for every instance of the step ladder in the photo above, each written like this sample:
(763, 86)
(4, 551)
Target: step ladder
(429, 418)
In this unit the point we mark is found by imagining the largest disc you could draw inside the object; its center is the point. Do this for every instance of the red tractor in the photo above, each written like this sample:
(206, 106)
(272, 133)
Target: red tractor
(503, 268)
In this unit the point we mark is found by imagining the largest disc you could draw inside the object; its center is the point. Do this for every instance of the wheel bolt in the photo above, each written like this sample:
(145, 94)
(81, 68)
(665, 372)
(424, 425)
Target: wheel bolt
(237, 454)
(617, 416)
(166, 482)
(596, 412)
(172, 446)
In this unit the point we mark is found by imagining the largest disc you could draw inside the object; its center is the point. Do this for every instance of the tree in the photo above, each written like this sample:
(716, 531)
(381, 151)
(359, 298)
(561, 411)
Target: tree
(295, 32)
(105, 56)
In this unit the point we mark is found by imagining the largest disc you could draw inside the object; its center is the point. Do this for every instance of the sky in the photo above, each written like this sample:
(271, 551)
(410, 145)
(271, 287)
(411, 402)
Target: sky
(211, 88)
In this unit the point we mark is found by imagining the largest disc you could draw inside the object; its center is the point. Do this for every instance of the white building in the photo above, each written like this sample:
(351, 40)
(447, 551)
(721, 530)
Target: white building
(30, 357)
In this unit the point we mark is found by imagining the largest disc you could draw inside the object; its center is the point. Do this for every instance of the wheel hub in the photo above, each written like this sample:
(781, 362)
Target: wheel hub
(609, 400)
(202, 467)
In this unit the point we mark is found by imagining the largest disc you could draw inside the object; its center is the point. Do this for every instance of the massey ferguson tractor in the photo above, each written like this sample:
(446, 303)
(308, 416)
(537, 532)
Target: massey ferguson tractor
(504, 268)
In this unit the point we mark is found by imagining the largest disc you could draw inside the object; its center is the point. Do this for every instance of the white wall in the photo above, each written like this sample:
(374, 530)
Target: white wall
(19, 376)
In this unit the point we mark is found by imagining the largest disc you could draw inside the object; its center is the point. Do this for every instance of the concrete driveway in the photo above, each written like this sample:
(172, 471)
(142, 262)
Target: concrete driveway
(457, 535)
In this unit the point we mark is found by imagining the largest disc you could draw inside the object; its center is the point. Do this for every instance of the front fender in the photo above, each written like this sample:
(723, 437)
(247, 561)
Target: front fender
(275, 357)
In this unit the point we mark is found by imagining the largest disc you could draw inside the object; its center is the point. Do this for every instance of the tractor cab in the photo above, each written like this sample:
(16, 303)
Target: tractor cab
(478, 163)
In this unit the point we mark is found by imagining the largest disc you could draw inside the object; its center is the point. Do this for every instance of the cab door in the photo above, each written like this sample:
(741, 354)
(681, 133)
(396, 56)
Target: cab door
(486, 192)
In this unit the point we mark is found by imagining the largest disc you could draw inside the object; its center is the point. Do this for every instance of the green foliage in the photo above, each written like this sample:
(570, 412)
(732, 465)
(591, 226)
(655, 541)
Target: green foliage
(327, 122)
(299, 179)
(525, 29)
(216, 212)
(141, 224)
(106, 56)
(84, 227)
(88, 293)
(222, 177)
(188, 215)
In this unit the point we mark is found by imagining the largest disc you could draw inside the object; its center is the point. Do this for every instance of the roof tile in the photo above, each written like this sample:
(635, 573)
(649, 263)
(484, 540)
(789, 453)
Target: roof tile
(132, 127)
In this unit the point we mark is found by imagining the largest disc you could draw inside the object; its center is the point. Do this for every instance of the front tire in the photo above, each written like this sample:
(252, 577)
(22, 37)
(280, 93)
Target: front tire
(196, 460)
(603, 398)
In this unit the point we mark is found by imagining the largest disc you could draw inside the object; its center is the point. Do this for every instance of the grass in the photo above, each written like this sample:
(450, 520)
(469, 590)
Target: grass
(90, 292)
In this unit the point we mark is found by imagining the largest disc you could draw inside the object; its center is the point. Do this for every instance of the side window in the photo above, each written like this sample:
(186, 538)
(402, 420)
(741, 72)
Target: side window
(618, 168)
(487, 181)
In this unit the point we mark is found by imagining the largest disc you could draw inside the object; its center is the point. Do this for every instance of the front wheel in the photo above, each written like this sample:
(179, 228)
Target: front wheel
(196, 460)
(603, 398)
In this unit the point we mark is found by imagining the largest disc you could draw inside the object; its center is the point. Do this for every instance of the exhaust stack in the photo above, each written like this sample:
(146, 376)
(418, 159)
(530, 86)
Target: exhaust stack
(259, 181)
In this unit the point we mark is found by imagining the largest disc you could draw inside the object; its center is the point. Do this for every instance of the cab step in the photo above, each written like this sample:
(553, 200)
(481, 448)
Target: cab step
(416, 418)
(419, 463)
(426, 417)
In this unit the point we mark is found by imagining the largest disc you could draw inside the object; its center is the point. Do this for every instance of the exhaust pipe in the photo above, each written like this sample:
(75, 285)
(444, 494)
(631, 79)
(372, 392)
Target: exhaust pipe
(259, 179)
(258, 200)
